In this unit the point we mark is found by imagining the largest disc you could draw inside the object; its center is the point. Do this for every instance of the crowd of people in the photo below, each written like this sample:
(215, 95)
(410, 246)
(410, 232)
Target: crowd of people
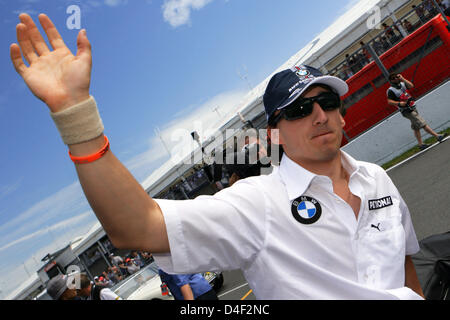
(58, 288)
(122, 267)
(181, 286)
(99, 288)
(390, 36)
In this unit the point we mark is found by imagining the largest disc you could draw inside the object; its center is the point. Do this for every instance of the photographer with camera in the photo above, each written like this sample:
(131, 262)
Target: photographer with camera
(399, 96)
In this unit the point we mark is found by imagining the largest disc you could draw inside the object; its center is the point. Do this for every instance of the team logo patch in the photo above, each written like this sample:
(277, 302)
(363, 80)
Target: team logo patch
(306, 210)
(303, 73)
(380, 203)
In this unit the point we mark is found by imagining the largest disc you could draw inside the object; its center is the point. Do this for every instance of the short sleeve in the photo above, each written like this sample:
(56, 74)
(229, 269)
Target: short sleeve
(221, 232)
(181, 279)
(391, 95)
(411, 245)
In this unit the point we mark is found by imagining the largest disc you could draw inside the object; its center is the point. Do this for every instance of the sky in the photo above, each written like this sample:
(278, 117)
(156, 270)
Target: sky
(157, 65)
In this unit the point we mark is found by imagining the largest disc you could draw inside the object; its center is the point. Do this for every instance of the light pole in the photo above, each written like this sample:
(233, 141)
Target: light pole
(183, 179)
(216, 109)
(244, 76)
(158, 133)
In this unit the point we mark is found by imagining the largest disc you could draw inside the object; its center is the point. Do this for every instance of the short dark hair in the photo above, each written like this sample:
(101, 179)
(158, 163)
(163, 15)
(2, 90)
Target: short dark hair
(84, 281)
(392, 75)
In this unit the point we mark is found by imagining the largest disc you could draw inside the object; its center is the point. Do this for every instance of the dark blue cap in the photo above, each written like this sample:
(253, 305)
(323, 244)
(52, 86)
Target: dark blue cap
(287, 85)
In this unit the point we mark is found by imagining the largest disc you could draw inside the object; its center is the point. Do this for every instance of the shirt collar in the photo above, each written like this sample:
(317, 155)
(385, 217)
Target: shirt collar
(297, 179)
(354, 166)
(349, 163)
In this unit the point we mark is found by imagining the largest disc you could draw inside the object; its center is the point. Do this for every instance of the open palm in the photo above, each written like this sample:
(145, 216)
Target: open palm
(57, 77)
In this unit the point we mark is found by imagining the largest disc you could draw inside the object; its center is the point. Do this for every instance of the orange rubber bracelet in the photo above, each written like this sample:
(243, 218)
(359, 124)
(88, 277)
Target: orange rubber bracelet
(92, 157)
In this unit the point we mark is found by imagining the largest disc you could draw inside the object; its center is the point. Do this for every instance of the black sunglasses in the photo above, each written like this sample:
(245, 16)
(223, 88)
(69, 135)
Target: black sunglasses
(303, 107)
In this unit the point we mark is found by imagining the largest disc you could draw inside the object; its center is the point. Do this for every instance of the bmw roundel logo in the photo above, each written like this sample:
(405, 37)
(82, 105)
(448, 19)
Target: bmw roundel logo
(306, 210)
(302, 72)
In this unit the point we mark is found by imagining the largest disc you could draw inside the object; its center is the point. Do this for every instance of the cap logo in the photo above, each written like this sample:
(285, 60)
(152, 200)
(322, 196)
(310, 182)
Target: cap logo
(306, 210)
(304, 76)
(303, 73)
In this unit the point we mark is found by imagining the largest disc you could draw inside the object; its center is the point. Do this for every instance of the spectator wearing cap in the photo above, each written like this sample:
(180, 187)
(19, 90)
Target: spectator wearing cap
(58, 289)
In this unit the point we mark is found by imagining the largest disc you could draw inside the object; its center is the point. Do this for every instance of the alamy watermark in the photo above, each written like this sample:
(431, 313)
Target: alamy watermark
(74, 20)
(73, 280)
(374, 19)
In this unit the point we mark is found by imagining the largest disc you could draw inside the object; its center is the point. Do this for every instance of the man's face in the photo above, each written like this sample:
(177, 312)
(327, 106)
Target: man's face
(395, 79)
(316, 137)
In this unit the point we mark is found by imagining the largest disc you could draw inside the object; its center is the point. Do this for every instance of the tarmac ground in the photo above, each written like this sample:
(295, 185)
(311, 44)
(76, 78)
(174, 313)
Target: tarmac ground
(424, 183)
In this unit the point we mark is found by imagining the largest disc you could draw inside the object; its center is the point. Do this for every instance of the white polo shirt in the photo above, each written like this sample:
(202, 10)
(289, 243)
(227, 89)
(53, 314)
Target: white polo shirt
(294, 238)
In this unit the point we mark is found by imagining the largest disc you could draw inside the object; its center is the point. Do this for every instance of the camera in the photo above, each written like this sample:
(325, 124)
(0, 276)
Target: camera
(410, 105)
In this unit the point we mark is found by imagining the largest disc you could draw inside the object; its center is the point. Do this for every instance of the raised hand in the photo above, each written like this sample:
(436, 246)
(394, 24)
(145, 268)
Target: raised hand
(57, 77)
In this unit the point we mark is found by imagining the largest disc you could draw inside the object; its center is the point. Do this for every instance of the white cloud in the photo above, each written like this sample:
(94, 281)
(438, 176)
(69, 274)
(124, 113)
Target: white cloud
(65, 203)
(27, 10)
(144, 163)
(8, 189)
(115, 3)
(203, 119)
(62, 225)
(94, 3)
(26, 7)
(178, 12)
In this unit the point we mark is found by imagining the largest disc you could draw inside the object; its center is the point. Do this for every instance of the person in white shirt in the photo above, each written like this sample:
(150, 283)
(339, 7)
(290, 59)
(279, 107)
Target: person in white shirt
(90, 291)
(321, 226)
(116, 260)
